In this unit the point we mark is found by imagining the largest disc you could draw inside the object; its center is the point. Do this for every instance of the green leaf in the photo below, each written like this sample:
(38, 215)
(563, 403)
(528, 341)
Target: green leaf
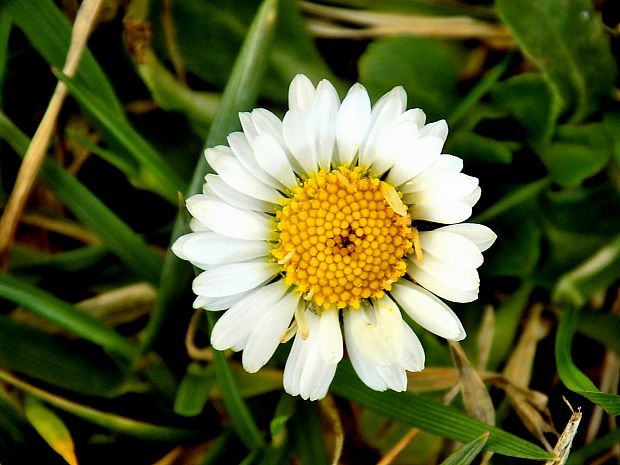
(567, 43)
(57, 361)
(473, 147)
(194, 390)
(573, 378)
(115, 234)
(5, 31)
(518, 247)
(111, 421)
(519, 196)
(284, 412)
(430, 416)
(51, 428)
(530, 101)
(154, 173)
(65, 315)
(468, 103)
(424, 67)
(467, 453)
(578, 153)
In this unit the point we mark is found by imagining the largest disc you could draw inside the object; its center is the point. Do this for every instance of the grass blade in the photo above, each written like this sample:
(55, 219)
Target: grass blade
(308, 435)
(114, 233)
(155, 174)
(430, 416)
(51, 428)
(240, 94)
(240, 416)
(466, 454)
(65, 315)
(49, 32)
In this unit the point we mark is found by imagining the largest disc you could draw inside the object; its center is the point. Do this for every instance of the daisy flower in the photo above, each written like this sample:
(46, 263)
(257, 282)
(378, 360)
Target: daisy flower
(330, 221)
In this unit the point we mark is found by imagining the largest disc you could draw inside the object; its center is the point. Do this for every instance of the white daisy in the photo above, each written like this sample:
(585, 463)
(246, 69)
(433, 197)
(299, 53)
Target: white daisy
(334, 211)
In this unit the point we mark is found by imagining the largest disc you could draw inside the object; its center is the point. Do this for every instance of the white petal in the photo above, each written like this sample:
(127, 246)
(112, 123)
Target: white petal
(330, 336)
(236, 176)
(298, 141)
(463, 279)
(214, 249)
(413, 158)
(413, 356)
(217, 303)
(480, 235)
(365, 369)
(265, 337)
(243, 152)
(322, 122)
(239, 320)
(382, 342)
(472, 199)
(266, 122)
(457, 184)
(234, 197)
(440, 210)
(273, 160)
(415, 115)
(441, 285)
(352, 123)
(197, 226)
(306, 373)
(376, 376)
(300, 93)
(427, 310)
(249, 129)
(230, 221)
(394, 142)
(451, 247)
(437, 129)
(387, 109)
(234, 278)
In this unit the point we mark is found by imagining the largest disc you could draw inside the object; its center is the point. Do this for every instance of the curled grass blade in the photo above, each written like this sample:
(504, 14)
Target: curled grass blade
(114, 233)
(572, 377)
(415, 410)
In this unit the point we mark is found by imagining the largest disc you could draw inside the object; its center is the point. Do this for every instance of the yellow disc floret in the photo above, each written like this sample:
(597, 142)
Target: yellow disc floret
(340, 241)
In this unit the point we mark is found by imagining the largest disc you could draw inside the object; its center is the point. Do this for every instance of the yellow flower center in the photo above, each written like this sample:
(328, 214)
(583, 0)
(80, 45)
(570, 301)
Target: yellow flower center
(340, 238)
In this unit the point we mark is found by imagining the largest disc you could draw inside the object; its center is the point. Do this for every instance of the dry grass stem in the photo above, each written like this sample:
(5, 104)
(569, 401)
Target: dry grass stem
(484, 341)
(399, 447)
(202, 354)
(61, 226)
(377, 24)
(476, 398)
(563, 446)
(167, 22)
(329, 409)
(29, 168)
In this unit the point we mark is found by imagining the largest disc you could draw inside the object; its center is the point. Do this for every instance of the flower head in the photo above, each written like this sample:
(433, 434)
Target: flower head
(338, 209)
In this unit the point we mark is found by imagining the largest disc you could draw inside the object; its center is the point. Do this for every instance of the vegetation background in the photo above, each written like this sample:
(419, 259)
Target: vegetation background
(101, 356)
